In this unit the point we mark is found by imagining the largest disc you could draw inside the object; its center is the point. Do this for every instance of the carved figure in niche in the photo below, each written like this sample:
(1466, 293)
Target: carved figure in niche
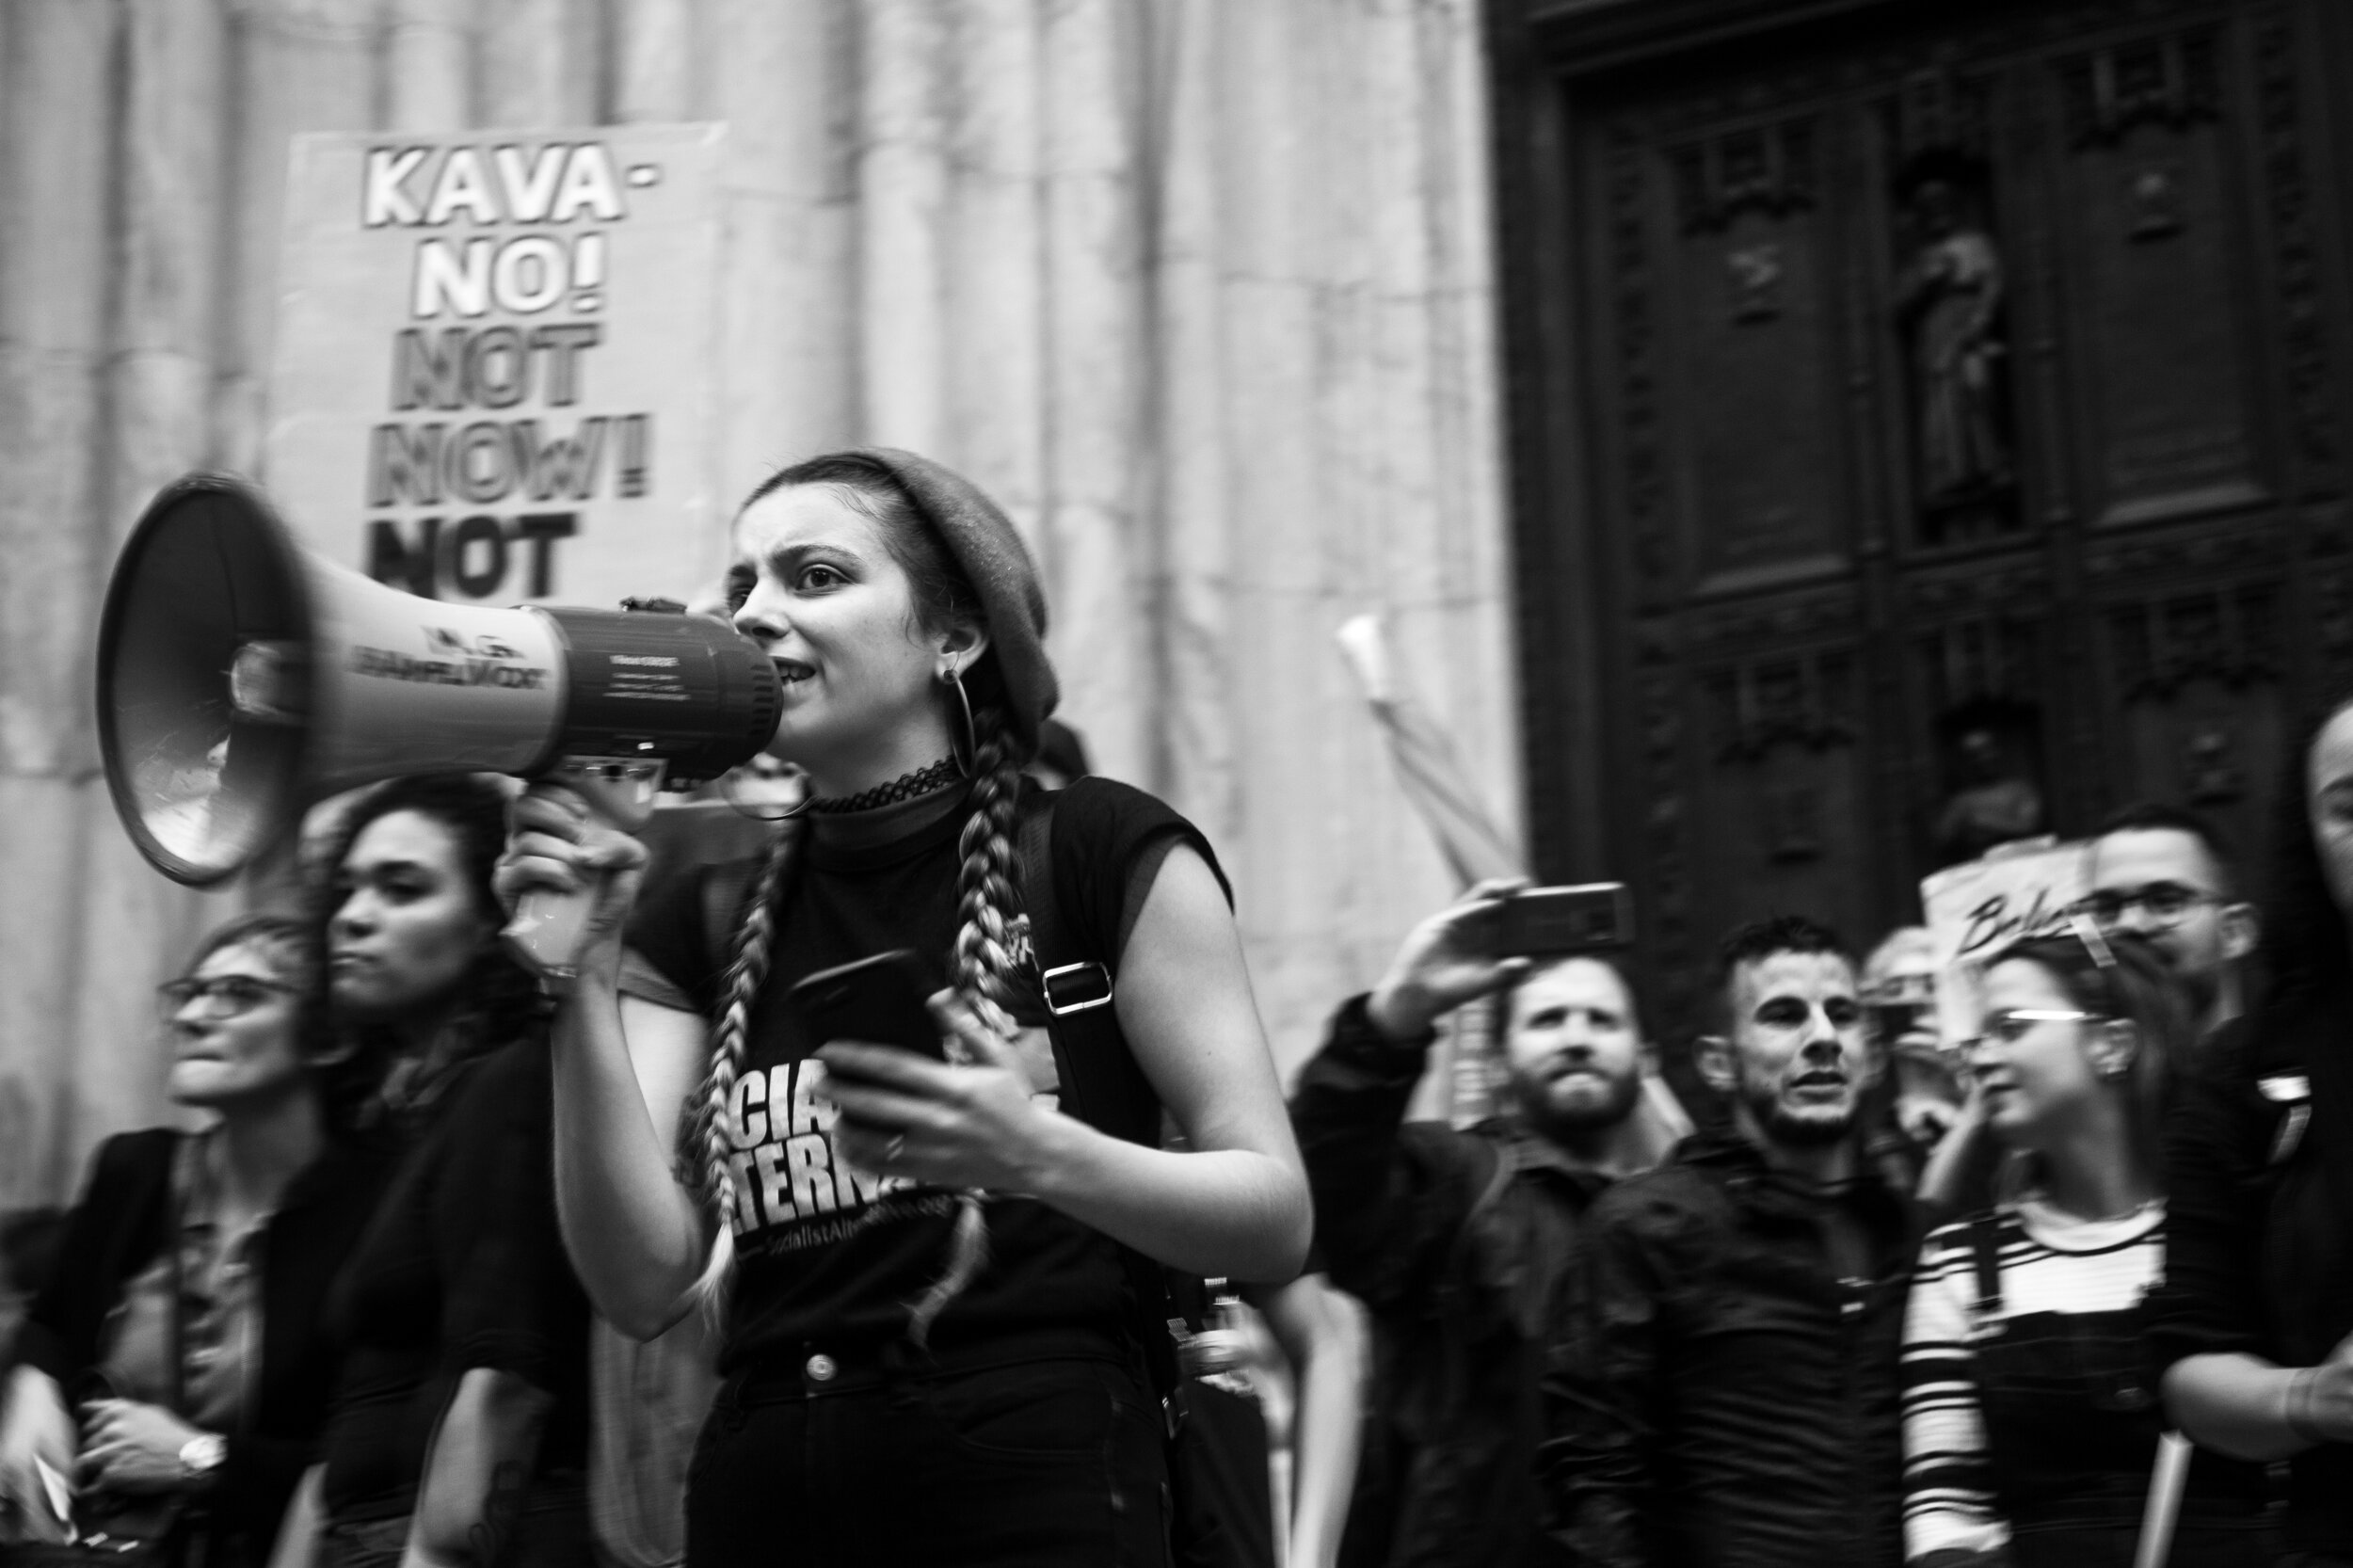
(2210, 771)
(2154, 192)
(1950, 307)
(1992, 805)
(1753, 273)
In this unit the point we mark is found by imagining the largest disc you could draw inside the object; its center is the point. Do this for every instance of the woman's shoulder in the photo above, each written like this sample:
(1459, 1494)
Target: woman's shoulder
(1101, 824)
(133, 1158)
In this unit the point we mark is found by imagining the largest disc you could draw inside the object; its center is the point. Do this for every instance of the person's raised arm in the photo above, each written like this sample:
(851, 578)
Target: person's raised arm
(1234, 1205)
(624, 1068)
(1390, 1199)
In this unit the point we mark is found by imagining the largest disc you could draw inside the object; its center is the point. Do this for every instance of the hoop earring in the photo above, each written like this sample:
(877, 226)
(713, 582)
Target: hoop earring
(954, 679)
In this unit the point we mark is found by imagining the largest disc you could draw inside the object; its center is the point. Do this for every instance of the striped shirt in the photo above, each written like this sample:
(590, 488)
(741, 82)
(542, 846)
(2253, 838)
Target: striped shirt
(2050, 1262)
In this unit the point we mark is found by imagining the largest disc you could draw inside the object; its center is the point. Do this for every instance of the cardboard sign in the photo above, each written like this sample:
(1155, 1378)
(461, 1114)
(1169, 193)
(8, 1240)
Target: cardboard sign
(494, 377)
(1976, 909)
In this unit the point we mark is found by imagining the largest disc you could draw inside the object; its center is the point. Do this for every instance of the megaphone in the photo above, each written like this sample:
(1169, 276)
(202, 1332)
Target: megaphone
(241, 680)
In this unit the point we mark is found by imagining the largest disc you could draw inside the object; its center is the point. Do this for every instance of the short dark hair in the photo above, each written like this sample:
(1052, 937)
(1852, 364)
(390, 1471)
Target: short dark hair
(2154, 816)
(1746, 944)
(1760, 940)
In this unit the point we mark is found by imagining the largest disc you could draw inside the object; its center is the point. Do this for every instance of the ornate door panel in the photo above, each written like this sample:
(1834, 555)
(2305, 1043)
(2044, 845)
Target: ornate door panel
(1937, 407)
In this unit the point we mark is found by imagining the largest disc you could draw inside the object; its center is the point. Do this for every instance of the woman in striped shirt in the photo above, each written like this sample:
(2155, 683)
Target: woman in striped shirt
(2030, 1422)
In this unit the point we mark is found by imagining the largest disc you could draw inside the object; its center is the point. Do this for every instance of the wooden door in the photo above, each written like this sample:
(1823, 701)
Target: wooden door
(1929, 426)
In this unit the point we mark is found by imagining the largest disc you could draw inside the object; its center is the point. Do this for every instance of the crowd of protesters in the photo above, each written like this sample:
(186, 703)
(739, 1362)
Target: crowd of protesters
(2075, 1289)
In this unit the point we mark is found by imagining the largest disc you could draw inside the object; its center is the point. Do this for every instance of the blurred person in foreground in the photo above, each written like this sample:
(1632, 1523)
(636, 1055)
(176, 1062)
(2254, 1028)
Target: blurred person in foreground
(174, 1372)
(1726, 1393)
(1458, 1242)
(2252, 1326)
(459, 1431)
(2030, 1424)
(2164, 874)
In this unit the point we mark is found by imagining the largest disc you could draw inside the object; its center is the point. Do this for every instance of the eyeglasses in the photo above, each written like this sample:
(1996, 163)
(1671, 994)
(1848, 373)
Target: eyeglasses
(230, 994)
(2013, 1026)
(2163, 903)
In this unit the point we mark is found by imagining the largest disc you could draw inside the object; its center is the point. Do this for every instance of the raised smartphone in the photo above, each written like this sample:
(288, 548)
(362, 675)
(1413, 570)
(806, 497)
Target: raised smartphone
(1539, 920)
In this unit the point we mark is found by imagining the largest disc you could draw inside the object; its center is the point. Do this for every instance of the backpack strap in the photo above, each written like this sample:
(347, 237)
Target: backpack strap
(1100, 1083)
(1985, 1256)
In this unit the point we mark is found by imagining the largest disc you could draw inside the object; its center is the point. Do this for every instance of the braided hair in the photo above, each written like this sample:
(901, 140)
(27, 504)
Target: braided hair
(982, 962)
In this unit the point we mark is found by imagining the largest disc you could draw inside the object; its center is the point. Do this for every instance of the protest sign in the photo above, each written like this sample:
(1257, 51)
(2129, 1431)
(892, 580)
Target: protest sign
(494, 374)
(1976, 909)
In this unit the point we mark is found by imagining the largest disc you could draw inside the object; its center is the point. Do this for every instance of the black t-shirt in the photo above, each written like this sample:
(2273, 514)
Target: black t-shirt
(461, 1267)
(829, 1256)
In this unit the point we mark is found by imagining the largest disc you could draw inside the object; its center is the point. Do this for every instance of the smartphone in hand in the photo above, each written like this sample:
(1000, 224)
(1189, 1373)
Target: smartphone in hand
(1543, 921)
(880, 1001)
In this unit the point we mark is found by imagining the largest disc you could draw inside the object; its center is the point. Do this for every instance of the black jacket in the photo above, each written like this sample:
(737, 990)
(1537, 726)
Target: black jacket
(119, 1228)
(2259, 1222)
(1457, 1241)
(1726, 1399)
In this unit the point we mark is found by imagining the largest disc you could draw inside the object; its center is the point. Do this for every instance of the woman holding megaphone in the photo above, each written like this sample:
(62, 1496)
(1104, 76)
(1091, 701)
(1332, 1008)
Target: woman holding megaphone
(935, 1347)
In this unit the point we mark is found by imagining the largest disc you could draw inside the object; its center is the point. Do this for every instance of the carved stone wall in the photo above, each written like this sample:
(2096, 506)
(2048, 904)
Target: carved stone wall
(1200, 289)
(1960, 393)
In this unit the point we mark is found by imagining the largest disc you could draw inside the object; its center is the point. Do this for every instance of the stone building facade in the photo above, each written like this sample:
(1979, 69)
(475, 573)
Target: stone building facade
(1201, 289)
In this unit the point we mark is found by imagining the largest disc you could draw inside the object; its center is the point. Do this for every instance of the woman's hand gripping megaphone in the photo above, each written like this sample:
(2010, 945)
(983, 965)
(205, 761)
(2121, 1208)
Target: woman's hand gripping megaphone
(571, 870)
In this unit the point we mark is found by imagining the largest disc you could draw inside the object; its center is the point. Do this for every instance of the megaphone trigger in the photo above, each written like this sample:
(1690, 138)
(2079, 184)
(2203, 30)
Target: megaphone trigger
(548, 928)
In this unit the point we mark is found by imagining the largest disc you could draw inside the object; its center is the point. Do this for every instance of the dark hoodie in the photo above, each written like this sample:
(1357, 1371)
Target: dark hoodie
(1725, 1398)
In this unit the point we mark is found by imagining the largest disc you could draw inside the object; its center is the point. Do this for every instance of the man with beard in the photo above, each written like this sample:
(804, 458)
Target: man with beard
(1458, 1241)
(1728, 1393)
(2162, 873)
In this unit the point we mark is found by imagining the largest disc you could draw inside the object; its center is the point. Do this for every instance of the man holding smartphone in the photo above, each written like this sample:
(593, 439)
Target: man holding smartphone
(1458, 1241)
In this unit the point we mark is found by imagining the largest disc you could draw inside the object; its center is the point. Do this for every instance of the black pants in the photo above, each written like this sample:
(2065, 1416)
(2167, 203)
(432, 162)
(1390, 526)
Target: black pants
(1041, 1463)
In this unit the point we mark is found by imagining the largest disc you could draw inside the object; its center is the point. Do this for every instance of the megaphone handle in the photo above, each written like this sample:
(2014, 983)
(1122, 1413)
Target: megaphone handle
(546, 930)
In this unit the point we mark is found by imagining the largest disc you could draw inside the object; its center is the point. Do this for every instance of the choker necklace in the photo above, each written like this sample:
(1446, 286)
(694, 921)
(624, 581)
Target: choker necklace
(923, 782)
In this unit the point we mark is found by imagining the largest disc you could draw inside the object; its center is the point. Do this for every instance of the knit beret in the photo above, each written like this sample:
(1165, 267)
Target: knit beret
(1002, 571)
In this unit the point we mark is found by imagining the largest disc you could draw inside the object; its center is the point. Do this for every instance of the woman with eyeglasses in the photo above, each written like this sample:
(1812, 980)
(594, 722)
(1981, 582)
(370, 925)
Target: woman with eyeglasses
(2253, 1327)
(2031, 1427)
(460, 1426)
(173, 1377)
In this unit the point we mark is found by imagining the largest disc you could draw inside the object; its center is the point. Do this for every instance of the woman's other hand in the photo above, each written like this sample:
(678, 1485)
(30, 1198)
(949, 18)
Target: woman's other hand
(556, 844)
(973, 1125)
(132, 1448)
(36, 1430)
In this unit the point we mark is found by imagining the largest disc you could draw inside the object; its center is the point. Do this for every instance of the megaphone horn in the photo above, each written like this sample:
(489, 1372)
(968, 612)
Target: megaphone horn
(241, 680)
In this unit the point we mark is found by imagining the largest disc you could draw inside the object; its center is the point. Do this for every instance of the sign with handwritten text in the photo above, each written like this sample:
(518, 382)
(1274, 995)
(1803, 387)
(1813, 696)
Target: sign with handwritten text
(1976, 909)
(495, 369)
